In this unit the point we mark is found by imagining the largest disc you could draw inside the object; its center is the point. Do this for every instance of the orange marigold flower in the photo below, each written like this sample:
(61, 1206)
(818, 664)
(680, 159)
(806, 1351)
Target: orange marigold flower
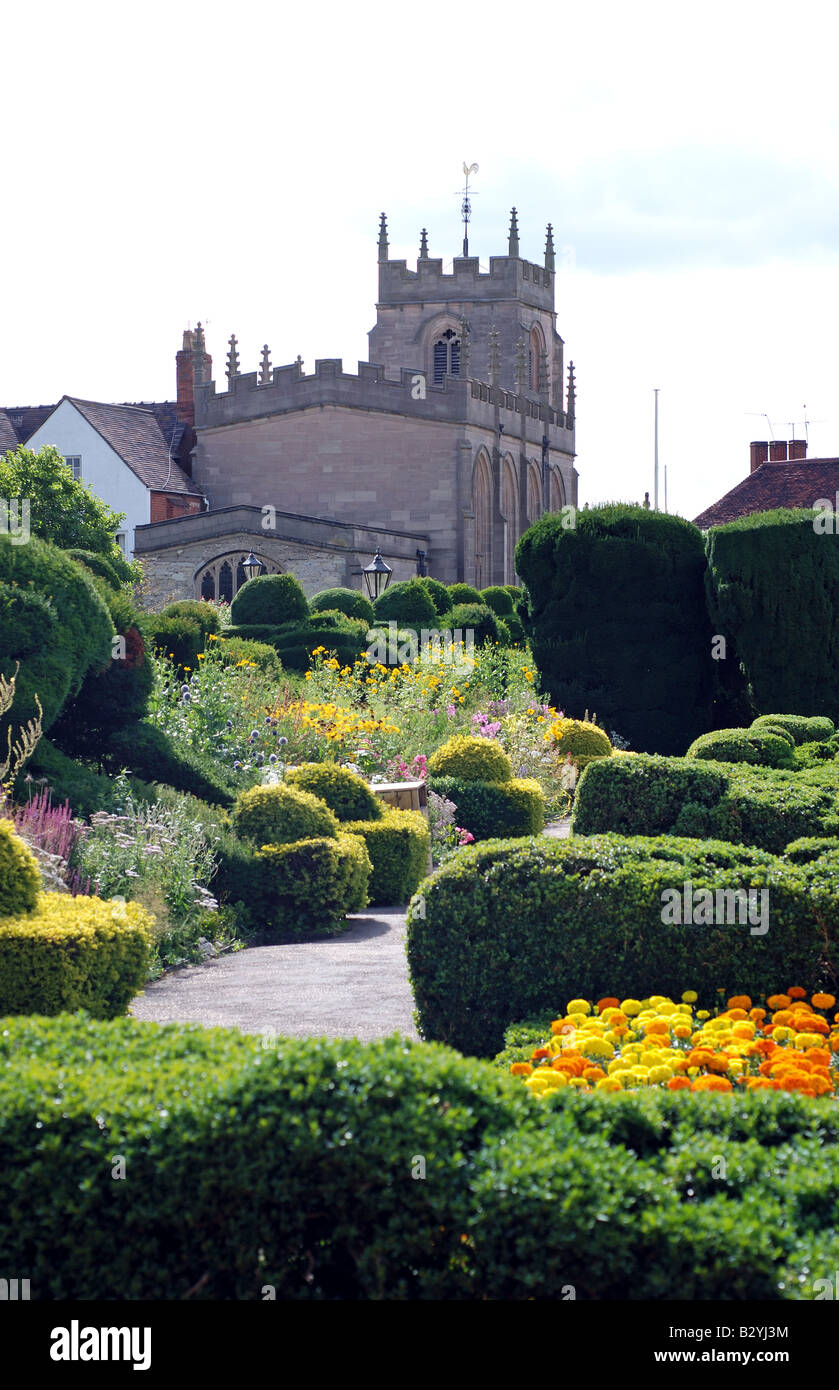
(783, 1017)
(813, 1024)
(819, 1055)
(540, 1052)
(757, 1014)
(593, 1074)
(740, 1001)
(607, 1004)
(796, 992)
(700, 1057)
(657, 1025)
(711, 1083)
(736, 1015)
(678, 1083)
(521, 1069)
(779, 1001)
(823, 1001)
(719, 1062)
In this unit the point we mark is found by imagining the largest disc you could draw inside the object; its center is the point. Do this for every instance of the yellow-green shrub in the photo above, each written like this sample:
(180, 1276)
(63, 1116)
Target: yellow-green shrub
(398, 846)
(20, 880)
(584, 741)
(346, 794)
(307, 888)
(74, 953)
(495, 810)
(280, 814)
(471, 759)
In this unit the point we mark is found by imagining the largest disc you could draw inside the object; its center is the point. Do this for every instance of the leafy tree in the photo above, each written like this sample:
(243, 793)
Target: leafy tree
(62, 509)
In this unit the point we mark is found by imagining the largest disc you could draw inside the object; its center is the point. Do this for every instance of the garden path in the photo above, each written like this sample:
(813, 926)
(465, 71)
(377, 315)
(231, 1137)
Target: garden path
(349, 986)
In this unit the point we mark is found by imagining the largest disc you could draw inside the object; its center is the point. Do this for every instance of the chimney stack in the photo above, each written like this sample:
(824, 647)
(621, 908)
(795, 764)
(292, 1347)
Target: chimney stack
(193, 365)
(797, 449)
(758, 453)
(778, 451)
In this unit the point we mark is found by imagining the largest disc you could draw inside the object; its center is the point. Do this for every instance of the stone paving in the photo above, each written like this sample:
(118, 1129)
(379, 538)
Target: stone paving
(349, 986)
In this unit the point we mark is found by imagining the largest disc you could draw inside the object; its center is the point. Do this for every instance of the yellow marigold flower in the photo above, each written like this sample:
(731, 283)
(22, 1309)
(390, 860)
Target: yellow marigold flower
(212, 637)
(690, 996)
(578, 1006)
(608, 1083)
(631, 1007)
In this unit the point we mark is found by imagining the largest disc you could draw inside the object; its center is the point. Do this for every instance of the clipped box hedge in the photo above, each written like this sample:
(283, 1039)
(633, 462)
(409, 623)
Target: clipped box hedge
(759, 747)
(346, 794)
(507, 929)
(308, 887)
(308, 1166)
(398, 847)
(814, 729)
(504, 810)
(74, 953)
(649, 795)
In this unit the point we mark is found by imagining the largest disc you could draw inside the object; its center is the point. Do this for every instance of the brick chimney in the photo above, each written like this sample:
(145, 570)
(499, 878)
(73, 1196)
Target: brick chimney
(758, 453)
(778, 451)
(797, 449)
(185, 377)
(193, 365)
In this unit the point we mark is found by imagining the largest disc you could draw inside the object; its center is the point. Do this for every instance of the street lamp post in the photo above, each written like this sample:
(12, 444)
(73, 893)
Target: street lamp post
(376, 576)
(251, 566)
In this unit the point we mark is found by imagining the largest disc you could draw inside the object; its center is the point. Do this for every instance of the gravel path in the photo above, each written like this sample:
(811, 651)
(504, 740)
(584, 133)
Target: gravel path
(349, 986)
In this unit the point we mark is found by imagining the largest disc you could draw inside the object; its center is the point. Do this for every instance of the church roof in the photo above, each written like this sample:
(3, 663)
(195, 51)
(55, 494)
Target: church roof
(134, 432)
(8, 436)
(800, 483)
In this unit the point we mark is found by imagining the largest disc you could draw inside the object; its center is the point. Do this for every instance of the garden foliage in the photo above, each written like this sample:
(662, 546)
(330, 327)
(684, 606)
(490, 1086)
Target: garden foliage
(398, 844)
(270, 598)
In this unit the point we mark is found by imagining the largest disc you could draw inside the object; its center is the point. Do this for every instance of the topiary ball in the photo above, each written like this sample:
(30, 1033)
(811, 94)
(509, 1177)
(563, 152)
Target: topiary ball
(408, 603)
(463, 593)
(279, 815)
(477, 619)
(498, 599)
(270, 598)
(204, 614)
(346, 794)
(584, 741)
(348, 601)
(438, 594)
(472, 759)
(20, 878)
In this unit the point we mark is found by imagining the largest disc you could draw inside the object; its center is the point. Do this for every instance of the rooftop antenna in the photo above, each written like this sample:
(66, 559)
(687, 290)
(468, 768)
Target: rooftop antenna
(655, 471)
(466, 206)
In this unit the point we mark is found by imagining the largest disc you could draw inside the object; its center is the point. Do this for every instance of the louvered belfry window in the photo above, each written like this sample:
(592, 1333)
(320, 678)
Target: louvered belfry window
(446, 356)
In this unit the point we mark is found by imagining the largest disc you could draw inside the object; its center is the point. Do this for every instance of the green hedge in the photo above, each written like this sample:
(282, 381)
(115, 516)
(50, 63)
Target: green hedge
(499, 810)
(463, 593)
(69, 780)
(20, 878)
(507, 929)
(346, 794)
(99, 565)
(178, 637)
(270, 598)
(260, 654)
(499, 600)
(349, 601)
(815, 729)
(612, 1197)
(148, 752)
(760, 747)
(398, 846)
(74, 953)
(478, 619)
(617, 622)
(766, 807)
(307, 888)
(116, 696)
(438, 594)
(773, 586)
(197, 611)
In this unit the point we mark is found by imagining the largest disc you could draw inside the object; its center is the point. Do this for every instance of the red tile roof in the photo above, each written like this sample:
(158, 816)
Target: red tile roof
(800, 483)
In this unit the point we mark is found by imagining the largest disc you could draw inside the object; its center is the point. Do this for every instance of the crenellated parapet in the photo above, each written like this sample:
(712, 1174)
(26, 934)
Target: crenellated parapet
(509, 277)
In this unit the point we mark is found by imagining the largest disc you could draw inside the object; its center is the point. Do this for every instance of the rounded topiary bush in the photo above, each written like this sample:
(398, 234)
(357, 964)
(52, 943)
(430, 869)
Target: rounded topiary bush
(463, 593)
(398, 844)
(74, 953)
(20, 879)
(270, 598)
(498, 599)
(309, 885)
(438, 594)
(810, 847)
(80, 641)
(349, 601)
(279, 815)
(26, 620)
(98, 565)
(499, 810)
(477, 619)
(408, 603)
(471, 759)
(345, 793)
(234, 651)
(804, 728)
(760, 747)
(204, 614)
(583, 740)
(177, 637)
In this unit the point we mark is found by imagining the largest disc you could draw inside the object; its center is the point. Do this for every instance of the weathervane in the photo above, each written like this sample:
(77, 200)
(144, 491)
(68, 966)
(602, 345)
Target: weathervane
(466, 206)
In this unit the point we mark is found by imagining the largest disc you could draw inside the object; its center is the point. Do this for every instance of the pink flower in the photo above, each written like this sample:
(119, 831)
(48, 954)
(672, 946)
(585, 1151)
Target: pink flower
(466, 837)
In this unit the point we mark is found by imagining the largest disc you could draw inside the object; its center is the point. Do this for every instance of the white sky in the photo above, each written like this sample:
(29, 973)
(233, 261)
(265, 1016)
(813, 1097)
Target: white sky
(165, 163)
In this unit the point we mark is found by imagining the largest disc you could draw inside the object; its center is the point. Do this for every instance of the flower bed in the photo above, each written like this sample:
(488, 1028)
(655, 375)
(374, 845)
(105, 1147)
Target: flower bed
(791, 1045)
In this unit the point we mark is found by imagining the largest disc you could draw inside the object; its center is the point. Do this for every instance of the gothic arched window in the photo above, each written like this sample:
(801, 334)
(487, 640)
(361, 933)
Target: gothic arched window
(537, 347)
(510, 507)
(446, 356)
(225, 583)
(482, 507)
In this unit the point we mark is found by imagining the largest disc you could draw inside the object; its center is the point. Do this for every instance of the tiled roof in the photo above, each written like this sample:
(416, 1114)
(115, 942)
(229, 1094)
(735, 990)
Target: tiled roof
(8, 437)
(135, 434)
(26, 419)
(798, 484)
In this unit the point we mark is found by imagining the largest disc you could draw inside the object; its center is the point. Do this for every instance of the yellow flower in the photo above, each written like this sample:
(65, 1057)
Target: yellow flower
(200, 656)
(690, 996)
(212, 637)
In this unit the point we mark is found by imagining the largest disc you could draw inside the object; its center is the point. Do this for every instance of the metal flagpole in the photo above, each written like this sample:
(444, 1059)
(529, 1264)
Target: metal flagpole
(655, 479)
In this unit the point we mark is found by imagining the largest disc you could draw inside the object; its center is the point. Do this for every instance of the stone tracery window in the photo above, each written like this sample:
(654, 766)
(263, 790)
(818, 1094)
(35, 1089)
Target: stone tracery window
(446, 356)
(222, 578)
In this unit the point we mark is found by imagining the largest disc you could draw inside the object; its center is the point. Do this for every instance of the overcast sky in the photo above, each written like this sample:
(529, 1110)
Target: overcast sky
(174, 162)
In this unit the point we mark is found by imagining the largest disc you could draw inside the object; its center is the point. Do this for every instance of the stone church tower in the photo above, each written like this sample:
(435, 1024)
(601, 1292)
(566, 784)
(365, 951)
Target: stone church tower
(453, 438)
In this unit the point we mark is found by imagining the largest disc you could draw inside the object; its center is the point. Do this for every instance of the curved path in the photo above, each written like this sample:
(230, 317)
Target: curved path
(349, 986)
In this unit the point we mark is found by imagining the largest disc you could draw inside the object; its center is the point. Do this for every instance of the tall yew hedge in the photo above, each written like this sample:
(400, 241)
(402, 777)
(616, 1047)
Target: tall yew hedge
(616, 615)
(773, 593)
